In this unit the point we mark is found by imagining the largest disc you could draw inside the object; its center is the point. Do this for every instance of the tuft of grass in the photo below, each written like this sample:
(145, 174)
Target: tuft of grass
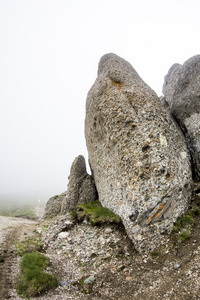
(28, 245)
(94, 213)
(184, 224)
(33, 281)
(154, 253)
(184, 234)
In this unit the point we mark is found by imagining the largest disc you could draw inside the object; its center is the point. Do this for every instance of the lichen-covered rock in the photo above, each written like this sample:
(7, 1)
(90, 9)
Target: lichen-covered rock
(53, 206)
(139, 159)
(81, 187)
(181, 90)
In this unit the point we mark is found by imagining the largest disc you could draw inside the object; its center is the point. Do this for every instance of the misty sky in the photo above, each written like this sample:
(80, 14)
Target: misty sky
(49, 53)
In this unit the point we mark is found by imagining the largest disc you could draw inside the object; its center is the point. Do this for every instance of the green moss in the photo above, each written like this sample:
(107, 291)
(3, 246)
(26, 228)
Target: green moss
(183, 221)
(154, 253)
(94, 213)
(183, 226)
(33, 280)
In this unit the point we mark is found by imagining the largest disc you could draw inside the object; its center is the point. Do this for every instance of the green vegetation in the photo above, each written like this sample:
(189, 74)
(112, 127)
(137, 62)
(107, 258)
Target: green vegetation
(154, 253)
(33, 280)
(94, 213)
(184, 234)
(28, 245)
(184, 225)
(183, 221)
(17, 210)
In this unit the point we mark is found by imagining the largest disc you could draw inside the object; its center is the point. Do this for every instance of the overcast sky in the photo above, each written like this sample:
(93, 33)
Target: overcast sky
(49, 53)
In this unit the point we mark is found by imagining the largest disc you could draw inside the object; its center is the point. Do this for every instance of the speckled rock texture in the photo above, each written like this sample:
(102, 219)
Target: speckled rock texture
(81, 187)
(138, 157)
(53, 206)
(181, 90)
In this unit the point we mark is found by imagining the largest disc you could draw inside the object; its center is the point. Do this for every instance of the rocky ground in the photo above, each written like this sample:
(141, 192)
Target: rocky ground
(94, 262)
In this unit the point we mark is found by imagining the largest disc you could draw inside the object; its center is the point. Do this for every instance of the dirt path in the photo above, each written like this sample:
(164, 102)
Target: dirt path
(11, 230)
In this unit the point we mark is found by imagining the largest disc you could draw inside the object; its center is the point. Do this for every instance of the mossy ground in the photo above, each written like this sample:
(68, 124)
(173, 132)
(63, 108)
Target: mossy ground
(184, 225)
(94, 213)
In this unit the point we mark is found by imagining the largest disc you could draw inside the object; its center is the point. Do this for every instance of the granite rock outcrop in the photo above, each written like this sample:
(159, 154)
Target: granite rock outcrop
(137, 154)
(53, 206)
(81, 189)
(181, 90)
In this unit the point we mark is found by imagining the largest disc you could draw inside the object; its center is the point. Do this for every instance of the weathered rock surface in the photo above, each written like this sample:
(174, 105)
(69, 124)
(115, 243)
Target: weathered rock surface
(139, 159)
(81, 187)
(181, 90)
(53, 206)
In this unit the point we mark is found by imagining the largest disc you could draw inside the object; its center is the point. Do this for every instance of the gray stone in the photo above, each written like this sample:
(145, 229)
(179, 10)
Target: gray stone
(89, 280)
(181, 90)
(63, 283)
(63, 235)
(81, 187)
(53, 206)
(134, 150)
(176, 266)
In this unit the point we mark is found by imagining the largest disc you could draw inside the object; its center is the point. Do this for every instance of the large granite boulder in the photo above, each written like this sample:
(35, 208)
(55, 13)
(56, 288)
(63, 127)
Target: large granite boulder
(181, 90)
(81, 187)
(138, 156)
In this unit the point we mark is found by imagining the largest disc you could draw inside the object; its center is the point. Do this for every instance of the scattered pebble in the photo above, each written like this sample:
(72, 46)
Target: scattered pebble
(129, 278)
(108, 230)
(63, 283)
(176, 266)
(63, 235)
(39, 230)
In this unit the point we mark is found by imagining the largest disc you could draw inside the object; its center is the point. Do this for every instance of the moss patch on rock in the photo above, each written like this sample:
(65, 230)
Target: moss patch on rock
(94, 213)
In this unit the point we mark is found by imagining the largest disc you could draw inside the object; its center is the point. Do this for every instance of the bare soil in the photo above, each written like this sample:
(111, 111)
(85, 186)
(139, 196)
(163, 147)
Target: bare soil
(119, 271)
(11, 231)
